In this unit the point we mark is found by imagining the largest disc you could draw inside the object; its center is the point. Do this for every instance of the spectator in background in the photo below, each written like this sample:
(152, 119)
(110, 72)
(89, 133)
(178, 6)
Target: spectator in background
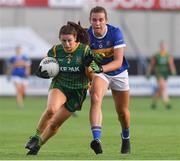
(19, 69)
(163, 65)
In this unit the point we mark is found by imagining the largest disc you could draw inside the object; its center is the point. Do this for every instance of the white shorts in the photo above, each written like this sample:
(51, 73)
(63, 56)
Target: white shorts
(118, 82)
(20, 80)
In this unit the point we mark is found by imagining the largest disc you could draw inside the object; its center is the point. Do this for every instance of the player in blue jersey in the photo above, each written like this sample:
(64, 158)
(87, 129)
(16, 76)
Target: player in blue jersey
(19, 70)
(112, 73)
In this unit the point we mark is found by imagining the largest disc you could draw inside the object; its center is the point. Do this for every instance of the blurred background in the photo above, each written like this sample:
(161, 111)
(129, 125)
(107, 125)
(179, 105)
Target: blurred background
(34, 24)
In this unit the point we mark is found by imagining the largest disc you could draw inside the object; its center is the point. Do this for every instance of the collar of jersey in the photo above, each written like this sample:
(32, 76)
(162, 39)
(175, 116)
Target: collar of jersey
(73, 49)
(100, 37)
(163, 53)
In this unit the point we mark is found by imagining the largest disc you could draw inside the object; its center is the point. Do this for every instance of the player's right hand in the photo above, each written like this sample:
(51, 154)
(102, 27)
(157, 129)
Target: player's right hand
(42, 74)
(97, 57)
(96, 67)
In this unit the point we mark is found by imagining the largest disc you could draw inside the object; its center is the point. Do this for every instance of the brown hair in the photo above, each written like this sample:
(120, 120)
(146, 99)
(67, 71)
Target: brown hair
(75, 29)
(98, 9)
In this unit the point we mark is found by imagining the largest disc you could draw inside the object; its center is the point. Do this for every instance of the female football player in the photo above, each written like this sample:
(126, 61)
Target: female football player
(68, 89)
(107, 41)
(19, 70)
(163, 65)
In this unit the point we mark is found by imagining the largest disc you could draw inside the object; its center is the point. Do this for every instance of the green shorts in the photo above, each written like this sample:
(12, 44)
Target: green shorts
(75, 97)
(162, 75)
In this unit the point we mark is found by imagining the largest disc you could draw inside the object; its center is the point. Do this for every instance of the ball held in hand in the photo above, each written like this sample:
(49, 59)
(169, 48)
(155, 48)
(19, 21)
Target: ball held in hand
(50, 65)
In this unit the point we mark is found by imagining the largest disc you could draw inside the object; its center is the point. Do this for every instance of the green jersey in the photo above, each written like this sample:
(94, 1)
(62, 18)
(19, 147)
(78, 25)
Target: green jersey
(162, 65)
(72, 70)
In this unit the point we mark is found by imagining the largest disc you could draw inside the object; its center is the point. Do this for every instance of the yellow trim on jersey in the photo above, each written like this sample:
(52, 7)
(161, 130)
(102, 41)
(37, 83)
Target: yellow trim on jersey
(105, 53)
(85, 50)
(74, 49)
(54, 51)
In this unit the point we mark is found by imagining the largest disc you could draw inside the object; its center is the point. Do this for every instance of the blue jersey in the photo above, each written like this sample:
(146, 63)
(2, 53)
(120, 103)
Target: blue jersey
(19, 71)
(105, 46)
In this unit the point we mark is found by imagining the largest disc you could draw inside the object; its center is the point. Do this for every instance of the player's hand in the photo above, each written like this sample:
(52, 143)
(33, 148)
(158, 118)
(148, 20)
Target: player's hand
(42, 74)
(89, 58)
(97, 57)
(96, 67)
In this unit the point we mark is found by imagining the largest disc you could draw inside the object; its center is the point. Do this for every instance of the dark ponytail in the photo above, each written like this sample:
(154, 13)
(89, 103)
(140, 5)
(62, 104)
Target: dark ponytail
(82, 35)
(75, 29)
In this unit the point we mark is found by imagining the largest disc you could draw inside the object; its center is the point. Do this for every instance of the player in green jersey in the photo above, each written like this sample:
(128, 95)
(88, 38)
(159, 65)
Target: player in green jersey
(163, 65)
(68, 89)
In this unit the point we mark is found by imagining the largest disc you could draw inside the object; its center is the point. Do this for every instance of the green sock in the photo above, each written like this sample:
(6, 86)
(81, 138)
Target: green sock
(40, 141)
(168, 105)
(37, 133)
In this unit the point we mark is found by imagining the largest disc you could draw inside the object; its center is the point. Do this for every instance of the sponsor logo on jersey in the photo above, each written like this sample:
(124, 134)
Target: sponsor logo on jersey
(69, 69)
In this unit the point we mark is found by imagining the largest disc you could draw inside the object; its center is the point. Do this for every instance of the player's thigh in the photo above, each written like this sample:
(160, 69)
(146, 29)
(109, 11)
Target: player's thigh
(99, 86)
(18, 86)
(17, 82)
(121, 99)
(56, 99)
(24, 83)
(162, 83)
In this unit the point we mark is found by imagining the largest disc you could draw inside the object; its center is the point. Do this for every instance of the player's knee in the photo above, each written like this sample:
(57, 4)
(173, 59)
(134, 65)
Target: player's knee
(95, 97)
(50, 111)
(123, 112)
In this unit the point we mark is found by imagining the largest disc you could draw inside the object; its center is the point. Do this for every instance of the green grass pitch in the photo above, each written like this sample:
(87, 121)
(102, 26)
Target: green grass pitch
(155, 134)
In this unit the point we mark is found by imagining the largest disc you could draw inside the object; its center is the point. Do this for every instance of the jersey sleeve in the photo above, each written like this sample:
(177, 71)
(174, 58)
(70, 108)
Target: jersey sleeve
(87, 51)
(11, 60)
(50, 52)
(118, 39)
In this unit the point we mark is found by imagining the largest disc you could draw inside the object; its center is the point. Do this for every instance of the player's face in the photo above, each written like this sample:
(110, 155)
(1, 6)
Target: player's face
(98, 22)
(68, 41)
(18, 50)
(163, 46)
